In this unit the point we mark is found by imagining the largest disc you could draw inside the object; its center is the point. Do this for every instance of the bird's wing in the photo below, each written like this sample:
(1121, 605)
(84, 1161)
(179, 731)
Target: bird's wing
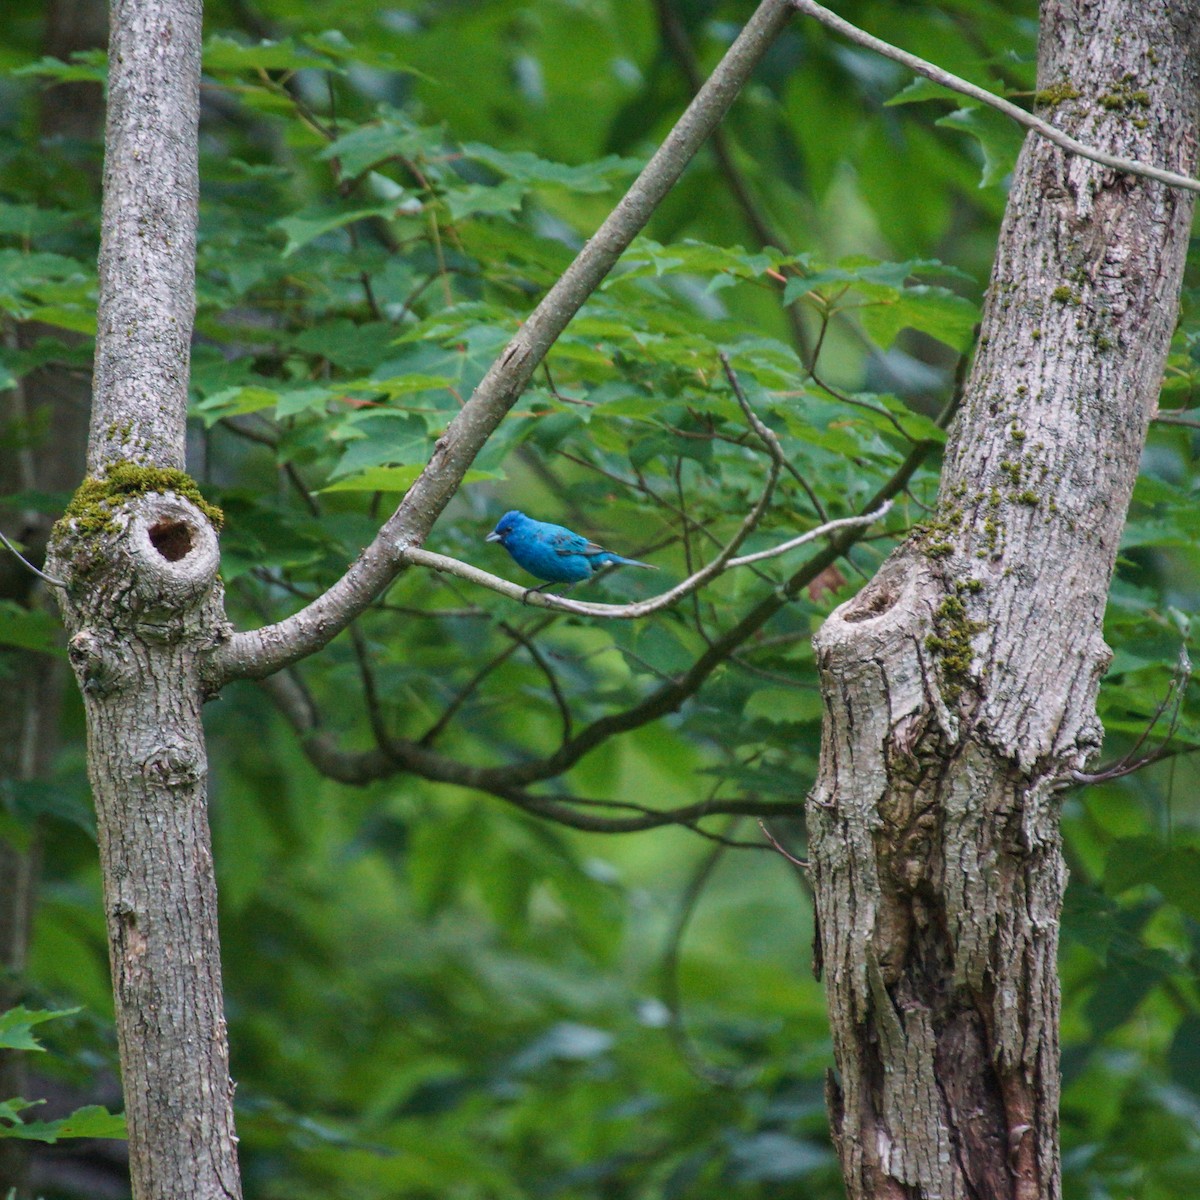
(565, 542)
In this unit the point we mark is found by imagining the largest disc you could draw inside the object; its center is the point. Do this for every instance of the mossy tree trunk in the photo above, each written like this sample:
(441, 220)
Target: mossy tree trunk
(960, 684)
(143, 608)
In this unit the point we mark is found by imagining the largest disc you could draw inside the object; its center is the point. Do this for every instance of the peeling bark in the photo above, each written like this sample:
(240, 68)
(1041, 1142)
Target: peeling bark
(960, 684)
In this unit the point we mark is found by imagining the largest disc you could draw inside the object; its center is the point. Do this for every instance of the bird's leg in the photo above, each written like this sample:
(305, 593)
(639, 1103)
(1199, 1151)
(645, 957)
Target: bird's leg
(541, 587)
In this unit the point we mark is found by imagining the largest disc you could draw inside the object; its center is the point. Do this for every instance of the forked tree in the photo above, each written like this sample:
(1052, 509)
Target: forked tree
(959, 684)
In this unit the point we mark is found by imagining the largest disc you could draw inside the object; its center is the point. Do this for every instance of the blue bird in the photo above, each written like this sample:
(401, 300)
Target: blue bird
(553, 553)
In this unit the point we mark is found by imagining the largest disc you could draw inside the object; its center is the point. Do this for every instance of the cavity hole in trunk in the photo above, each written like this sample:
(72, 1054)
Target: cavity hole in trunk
(172, 539)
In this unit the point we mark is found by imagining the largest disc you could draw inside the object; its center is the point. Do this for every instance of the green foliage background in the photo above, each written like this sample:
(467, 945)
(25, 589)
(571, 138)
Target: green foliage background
(430, 992)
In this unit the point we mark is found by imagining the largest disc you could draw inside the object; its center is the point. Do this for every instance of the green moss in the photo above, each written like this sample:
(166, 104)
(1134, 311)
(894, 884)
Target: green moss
(1122, 98)
(951, 642)
(1055, 94)
(96, 501)
(1032, 499)
(1016, 433)
(1065, 295)
(935, 536)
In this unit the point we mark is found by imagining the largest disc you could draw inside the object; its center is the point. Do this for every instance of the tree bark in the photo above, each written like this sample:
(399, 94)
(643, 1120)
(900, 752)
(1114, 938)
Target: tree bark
(143, 607)
(960, 684)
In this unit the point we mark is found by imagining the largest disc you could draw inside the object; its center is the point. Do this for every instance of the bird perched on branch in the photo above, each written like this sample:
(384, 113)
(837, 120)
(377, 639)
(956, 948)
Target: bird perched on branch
(553, 553)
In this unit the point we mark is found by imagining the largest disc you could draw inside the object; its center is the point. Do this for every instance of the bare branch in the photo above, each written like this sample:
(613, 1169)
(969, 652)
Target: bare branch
(1171, 417)
(258, 653)
(58, 583)
(677, 42)
(801, 863)
(641, 608)
(672, 993)
(767, 436)
(956, 84)
(1131, 761)
(531, 647)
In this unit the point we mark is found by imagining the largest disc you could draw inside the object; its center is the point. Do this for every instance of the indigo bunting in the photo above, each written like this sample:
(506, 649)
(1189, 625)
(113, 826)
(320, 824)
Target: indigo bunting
(553, 553)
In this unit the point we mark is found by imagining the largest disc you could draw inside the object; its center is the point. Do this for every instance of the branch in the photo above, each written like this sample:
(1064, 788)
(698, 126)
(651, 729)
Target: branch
(363, 767)
(258, 653)
(58, 583)
(1171, 417)
(766, 435)
(1130, 762)
(672, 992)
(640, 608)
(675, 36)
(956, 84)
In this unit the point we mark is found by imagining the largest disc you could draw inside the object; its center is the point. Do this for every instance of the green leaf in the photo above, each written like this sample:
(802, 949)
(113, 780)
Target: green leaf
(999, 138)
(77, 320)
(396, 479)
(318, 219)
(920, 89)
(91, 1121)
(393, 136)
(16, 1023)
(381, 437)
(86, 66)
(484, 199)
(1173, 869)
(224, 54)
(234, 402)
(28, 628)
(933, 310)
(528, 169)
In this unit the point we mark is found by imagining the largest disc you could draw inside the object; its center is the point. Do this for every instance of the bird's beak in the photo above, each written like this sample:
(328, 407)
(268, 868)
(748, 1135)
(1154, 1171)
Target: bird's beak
(492, 537)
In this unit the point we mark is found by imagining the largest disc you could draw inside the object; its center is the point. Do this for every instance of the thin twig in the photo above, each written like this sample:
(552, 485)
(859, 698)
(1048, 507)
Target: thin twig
(767, 436)
(672, 993)
(58, 583)
(526, 640)
(956, 84)
(801, 863)
(1128, 763)
(675, 37)
(1176, 418)
(639, 608)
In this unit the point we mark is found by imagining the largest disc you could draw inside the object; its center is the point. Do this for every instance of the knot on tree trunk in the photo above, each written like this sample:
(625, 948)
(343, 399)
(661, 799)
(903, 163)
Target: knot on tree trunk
(141, 570)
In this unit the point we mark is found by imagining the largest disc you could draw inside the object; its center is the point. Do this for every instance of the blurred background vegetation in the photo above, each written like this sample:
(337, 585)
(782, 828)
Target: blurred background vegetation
(432, 993)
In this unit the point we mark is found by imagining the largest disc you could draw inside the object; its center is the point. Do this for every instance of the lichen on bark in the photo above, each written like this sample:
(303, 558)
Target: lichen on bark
(960, 684)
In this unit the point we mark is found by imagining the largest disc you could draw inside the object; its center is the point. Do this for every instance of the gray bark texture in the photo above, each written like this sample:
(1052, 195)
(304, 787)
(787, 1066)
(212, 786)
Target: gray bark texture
(148, 234)
(960, 684)
(143, 609)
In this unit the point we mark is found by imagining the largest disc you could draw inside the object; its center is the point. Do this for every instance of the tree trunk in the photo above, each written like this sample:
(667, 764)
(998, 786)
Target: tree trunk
(960, 684)
(144, 606)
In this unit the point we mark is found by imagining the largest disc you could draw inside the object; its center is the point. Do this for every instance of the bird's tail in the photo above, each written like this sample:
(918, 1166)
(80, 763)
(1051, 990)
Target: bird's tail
(630, 562)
